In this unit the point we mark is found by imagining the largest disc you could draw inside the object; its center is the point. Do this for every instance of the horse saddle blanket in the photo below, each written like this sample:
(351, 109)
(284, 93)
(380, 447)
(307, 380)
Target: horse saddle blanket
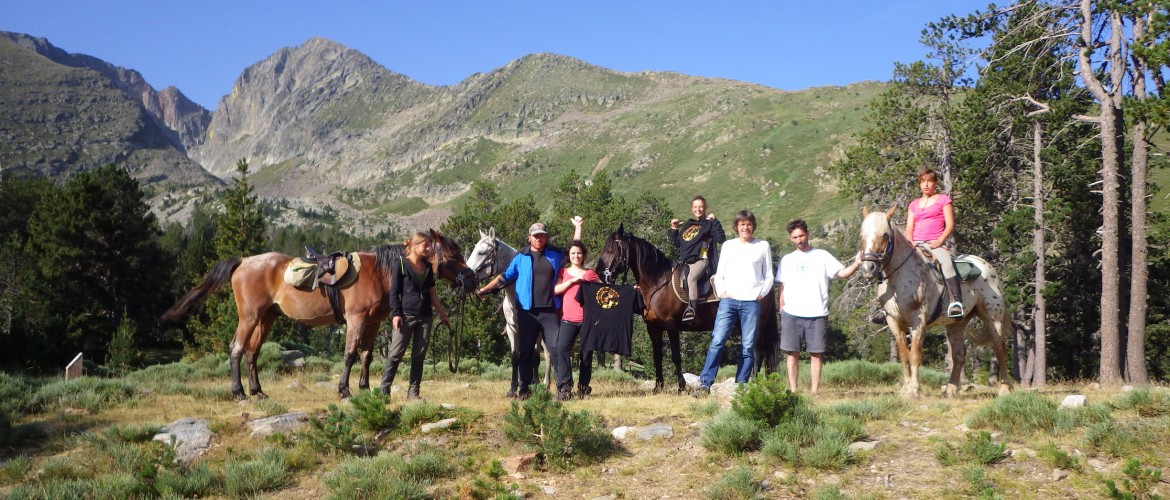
(302, 273)
(966, 269)
(678, 281)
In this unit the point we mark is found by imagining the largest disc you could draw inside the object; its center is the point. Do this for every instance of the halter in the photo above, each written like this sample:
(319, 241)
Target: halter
(622, 258)
(460, 276)
(490, 262)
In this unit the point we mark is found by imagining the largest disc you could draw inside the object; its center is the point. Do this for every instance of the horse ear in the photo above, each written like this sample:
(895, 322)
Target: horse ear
(622, 228)
(492, 232)
(864, 212)
(890, 212)
(482, 235)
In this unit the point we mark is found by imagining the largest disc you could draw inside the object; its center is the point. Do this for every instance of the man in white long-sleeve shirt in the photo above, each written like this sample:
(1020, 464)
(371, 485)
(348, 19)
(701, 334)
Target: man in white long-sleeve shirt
(743, 279)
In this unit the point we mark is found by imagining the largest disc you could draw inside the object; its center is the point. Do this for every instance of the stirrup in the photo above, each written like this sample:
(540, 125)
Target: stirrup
(955, 310)
(689, 314)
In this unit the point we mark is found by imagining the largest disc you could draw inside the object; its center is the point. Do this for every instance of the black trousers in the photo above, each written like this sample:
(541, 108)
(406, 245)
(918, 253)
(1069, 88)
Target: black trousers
(532, 324)
(563, 358)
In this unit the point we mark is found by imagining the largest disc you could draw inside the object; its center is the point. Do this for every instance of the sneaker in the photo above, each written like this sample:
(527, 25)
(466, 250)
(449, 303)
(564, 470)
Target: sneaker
(955, 310)
(702, 392)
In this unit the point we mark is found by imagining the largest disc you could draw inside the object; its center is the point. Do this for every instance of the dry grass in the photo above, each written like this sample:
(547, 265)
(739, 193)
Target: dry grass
(903, 465)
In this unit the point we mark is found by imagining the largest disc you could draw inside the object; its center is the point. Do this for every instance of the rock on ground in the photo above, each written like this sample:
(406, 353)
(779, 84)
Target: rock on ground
(189, 436)
(277, 424)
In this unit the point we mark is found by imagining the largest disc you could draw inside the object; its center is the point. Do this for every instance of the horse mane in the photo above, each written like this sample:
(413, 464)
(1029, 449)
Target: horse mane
(386, 256)
(653, 262)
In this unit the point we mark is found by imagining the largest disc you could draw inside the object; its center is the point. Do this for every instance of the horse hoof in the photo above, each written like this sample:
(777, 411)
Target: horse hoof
(1005, 389)
(343, 394)
(260, 395)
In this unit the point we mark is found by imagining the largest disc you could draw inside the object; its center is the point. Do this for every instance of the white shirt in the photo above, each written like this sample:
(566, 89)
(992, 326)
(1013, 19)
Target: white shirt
(745, 270)
(806, 276)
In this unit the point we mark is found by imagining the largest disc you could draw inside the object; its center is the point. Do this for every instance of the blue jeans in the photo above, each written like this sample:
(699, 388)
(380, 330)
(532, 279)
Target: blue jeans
(747, 312)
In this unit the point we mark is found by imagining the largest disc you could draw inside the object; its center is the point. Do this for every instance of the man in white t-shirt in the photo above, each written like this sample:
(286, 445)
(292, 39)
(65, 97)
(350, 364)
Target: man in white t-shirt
(743, 279)
(803, 300)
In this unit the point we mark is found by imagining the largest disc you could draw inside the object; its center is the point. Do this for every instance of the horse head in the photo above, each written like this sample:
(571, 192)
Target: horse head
(614, 258)
(877, 240)
(450, 264)
(490, 256)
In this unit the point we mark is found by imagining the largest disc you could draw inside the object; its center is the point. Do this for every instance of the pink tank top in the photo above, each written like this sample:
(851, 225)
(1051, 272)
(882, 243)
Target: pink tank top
(929, 222)
(571, 309)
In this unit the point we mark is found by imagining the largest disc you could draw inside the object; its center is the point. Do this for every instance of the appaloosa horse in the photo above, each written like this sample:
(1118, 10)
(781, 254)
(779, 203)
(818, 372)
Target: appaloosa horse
(653, 273)
(914, 299)
(490, 257)
(262, 295)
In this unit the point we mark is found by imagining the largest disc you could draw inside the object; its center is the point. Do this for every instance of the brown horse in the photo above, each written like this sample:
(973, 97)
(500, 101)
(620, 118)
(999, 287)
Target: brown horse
(653, 273)
(262, 295)
(914, 299)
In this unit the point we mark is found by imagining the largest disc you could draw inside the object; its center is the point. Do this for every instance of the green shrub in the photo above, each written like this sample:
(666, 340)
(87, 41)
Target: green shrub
(1021, 413)
(88, 393)
(1119, 439)
(132, 433)
(495, 372)
(52, 489)
(389, 476)
(158, 374)
(977, 482)
(15, 395)
(766, 400)
(616, 377)
(565, 438)
(1138, 483)
(317, 364)
(372, 412)
(977, 448)
(491, 486)
(828, 492)
(418, 413)
(867, 410)
(198, 481)
(731, 433)
(425, 464)
(333, 434)
(850, 428)
(704, 408)
(739, 484)
(120, 485)
(1145, 402)
(1058, 458)
(856, 373)
(122, 352)
(829, 450)
(268, 471)
(271, 406)
(15, 470)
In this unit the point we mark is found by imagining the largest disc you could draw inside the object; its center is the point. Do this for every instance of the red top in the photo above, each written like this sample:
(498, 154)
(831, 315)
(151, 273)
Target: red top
(571, 309)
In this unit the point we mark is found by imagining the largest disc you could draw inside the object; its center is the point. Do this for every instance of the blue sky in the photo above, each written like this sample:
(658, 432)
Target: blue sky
(201, 47)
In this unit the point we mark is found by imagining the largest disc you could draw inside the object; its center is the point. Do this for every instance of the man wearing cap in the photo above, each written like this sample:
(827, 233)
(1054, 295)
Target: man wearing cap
(534, 270)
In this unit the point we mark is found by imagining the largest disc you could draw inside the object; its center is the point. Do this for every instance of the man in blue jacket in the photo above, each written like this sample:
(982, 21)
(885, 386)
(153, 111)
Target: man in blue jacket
(534, 270)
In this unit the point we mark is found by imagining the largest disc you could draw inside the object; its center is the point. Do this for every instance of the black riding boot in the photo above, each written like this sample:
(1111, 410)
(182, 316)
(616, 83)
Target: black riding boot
(689, 314)
(955, 309)
(412, 393)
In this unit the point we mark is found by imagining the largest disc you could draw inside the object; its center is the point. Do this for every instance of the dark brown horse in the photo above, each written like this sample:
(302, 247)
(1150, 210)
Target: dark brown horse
(653, 273)
(262, 295)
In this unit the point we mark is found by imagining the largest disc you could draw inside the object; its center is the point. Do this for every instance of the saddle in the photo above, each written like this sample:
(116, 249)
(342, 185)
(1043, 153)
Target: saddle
(331, 272)
(966, 270)
(678, 280)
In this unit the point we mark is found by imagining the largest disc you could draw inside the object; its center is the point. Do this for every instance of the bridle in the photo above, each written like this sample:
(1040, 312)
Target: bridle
(490, 262)
(620, 261)
(884, 257)
(461, 277)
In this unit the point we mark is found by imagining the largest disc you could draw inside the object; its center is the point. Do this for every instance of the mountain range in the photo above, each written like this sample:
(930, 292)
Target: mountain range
(325, 128)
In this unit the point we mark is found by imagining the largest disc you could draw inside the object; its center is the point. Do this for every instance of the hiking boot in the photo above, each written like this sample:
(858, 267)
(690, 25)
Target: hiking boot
(584, 391)
(564, 395)
(412, 393)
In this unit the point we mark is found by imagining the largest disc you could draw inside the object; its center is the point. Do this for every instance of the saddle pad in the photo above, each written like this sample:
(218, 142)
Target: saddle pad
(300, 273)
(676, 284)
(966, 269)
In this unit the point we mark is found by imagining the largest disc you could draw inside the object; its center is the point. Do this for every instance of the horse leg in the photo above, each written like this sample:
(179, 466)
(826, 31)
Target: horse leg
(511, 330)
(917, 335)
(249, 322)
(351, 356)
(369, 333)
(656, 343)
(903, 355)
(1002, 328)
(676, 358)
(958, 356)
(258, 338)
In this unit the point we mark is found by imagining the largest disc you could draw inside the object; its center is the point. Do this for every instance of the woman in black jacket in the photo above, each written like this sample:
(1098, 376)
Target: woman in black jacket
(412, 301)
(698, 243)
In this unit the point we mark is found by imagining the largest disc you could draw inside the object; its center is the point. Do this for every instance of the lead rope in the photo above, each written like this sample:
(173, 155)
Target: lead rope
(455, 350)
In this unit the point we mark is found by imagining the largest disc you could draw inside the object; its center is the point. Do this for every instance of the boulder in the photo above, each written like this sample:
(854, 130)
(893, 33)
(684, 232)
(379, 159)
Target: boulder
(620, 433)
(862, 446)
(1073, 401)
(189, 436)
(655, 431)
(442, 424)
(293, 359)
(519, 463)
(277, 424)
(691, 380)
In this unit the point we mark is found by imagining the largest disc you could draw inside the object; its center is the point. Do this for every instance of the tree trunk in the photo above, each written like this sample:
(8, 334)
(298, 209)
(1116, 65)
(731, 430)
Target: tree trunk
(1037, 359)
(1109, 123)
(1135, 351)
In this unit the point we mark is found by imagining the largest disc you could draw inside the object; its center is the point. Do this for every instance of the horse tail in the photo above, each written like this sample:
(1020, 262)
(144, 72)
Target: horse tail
(768, 336)
(218, 275)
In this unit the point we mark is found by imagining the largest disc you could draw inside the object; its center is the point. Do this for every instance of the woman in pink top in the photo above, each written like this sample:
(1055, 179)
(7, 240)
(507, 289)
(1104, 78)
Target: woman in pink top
(569, 279)
(931, 223)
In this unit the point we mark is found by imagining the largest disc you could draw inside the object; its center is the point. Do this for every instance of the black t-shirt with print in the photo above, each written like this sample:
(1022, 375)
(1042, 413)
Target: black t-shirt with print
(608, 324)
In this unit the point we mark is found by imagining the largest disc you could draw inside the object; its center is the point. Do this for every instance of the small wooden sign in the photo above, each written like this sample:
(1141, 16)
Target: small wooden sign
(73, 369)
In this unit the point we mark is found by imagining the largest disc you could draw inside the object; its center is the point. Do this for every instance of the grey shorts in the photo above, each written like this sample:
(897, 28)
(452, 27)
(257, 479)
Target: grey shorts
(812, 331)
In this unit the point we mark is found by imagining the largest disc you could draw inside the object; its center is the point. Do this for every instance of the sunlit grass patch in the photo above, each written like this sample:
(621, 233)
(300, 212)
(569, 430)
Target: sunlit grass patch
(86, 393)
(867, 410)
(1144, 402)
(1024, 413)
(731, 433)
(739, 484)
(248, 476)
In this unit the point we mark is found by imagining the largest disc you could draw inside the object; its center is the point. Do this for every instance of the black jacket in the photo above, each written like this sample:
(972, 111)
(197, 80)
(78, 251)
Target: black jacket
(690, 236)
(410, 295)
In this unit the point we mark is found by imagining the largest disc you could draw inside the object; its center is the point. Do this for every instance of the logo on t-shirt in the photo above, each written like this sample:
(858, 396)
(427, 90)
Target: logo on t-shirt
(690, 232)
(607, 297)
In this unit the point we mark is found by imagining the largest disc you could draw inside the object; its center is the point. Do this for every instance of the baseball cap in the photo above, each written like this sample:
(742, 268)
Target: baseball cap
(536, 228)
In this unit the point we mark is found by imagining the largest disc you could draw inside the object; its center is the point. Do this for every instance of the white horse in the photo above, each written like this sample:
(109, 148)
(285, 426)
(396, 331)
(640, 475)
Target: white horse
(914, 299)
(489, 258)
